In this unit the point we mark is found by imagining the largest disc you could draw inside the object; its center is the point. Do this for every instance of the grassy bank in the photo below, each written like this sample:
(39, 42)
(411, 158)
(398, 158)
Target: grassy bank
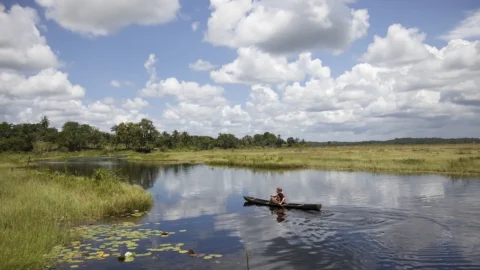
(451, 159)
(439, 159)
(37, 208)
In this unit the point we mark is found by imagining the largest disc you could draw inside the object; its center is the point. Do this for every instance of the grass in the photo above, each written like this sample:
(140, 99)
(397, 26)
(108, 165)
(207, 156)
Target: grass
(38, 208)
(437, 159)
(451, 159)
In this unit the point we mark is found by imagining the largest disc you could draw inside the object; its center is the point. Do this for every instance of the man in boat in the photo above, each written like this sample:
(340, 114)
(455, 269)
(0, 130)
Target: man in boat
(278, 198)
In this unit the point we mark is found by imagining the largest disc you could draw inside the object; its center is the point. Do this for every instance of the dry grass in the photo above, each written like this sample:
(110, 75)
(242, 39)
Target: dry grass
(37, 208)
(440, 159)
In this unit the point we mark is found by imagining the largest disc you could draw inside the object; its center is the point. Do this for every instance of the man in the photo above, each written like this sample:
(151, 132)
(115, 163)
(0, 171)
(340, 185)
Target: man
(278, 198)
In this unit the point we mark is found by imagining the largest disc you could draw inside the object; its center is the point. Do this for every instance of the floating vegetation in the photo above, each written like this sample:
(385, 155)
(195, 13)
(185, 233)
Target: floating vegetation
(118, 242)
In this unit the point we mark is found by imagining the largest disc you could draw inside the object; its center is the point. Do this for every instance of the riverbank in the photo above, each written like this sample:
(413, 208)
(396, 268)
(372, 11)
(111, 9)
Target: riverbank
(436, 159)
(38, 208)
(451, 159)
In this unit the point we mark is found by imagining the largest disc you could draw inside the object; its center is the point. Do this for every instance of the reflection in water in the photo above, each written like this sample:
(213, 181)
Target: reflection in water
(143, 175)
(368, 221)
(280, 213)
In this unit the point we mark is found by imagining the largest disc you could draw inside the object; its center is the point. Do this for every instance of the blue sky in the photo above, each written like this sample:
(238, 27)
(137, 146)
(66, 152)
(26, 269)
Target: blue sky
(93, 61)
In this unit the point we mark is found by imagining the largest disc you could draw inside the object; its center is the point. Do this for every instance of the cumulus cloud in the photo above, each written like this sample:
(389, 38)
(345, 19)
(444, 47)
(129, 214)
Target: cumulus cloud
(97, 113)
(207, 120)
(101, 18)
(401, 46)
(135, 104)
(410, 90)
(109, 100)
(415, 90)
(182, 90)
(467, 28)
(201, 65)
(253, 66)
(284, 26)
(50, 93)
(31, 85)
(47, 83)
(22, 47)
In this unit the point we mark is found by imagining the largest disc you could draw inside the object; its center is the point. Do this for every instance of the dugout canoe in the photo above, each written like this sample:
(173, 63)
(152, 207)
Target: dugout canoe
(302, 206)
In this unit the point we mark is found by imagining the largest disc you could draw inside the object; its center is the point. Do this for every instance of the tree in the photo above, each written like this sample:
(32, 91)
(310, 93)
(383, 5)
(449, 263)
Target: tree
(45, 122)
(290, 141)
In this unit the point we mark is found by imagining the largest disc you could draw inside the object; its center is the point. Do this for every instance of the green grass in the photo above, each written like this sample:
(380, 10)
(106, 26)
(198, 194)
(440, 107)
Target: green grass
(38, 208)
(451, 159)
(437, 159)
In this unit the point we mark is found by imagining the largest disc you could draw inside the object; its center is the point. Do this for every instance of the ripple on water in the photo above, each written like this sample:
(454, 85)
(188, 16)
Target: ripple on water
(356, 239)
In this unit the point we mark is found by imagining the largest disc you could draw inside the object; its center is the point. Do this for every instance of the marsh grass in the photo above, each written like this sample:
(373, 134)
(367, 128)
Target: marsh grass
(37, 208)
(436, 159)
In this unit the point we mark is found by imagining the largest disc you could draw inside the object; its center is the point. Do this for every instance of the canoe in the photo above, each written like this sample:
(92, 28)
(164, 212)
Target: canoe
(302, 206)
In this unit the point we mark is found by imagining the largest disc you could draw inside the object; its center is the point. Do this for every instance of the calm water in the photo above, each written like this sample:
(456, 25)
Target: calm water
(368, 221)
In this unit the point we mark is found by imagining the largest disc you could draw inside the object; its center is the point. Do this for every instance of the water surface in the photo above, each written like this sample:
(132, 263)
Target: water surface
(368, 221)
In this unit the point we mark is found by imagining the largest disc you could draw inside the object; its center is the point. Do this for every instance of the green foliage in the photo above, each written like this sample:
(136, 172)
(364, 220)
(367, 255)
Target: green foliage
(142, 137)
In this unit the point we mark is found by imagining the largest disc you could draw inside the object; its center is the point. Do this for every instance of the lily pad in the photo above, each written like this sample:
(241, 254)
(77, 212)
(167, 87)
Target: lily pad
(144, 254)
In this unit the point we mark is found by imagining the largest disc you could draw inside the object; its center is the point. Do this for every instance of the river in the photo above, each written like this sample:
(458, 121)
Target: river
(368, 221)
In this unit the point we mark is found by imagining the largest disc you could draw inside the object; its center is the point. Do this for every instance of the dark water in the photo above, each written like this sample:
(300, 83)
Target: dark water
(368, 221)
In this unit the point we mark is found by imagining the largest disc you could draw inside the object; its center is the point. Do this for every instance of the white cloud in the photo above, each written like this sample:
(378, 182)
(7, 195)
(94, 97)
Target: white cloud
(467, 28)
(201, 65)
(101, 18)
(195, 26)
(109, 100)
(183, 90)
(31, 85)
(206, 119)
(22, 47)
(285, 26)
(135, 104)
(47, 83)
(401, 92)
(115, 83)
(401, 46)
(118, 84)
(50, 93)
(253, 66)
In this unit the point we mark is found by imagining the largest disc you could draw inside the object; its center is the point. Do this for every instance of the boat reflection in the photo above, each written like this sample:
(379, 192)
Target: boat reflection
(280, 212)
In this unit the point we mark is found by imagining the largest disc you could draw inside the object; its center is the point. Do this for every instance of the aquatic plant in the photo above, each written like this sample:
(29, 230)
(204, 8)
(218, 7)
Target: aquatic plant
(117, 243)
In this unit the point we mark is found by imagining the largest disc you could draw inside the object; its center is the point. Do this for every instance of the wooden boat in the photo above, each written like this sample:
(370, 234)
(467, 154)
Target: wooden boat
(315, 207)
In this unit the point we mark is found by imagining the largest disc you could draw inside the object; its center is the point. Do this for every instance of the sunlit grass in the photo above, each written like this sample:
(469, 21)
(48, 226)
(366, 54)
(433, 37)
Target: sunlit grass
(441, 159)
(38, 208)
(452, 159)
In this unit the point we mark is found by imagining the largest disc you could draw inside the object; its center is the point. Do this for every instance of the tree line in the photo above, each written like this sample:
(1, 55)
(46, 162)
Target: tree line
(142, 137)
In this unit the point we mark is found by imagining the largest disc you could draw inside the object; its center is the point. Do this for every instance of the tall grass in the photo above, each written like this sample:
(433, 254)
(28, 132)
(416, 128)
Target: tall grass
(438, 159)
(451, 159)
(37, 208)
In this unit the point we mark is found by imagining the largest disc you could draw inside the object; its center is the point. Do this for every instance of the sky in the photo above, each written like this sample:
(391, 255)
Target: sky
(320, 70)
